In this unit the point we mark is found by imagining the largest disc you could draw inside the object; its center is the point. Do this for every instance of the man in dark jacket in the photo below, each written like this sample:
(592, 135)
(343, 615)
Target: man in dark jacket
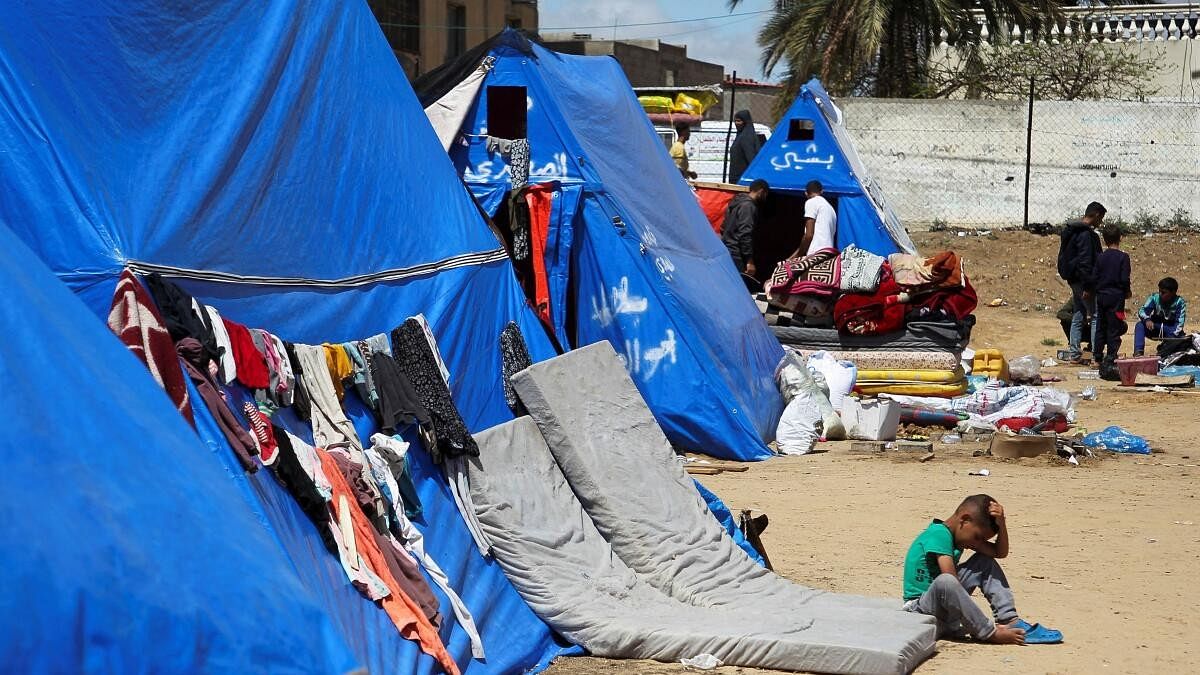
(1078, 249)
(737, 231)
(745, 145)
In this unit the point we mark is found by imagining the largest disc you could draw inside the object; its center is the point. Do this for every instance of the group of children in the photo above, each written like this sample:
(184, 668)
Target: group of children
(1100, 284)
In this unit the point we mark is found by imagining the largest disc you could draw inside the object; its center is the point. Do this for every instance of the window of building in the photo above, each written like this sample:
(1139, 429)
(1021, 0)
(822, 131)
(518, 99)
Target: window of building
(669, 78)
(400, 21)
(800, 129)
(514, 23)
(456, 30)
(506, 112)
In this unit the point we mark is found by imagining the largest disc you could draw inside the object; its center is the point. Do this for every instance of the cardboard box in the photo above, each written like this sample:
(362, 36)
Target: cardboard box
(1012, 447)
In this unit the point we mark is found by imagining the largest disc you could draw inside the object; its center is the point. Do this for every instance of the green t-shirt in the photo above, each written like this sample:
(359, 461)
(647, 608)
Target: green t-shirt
(920, 565)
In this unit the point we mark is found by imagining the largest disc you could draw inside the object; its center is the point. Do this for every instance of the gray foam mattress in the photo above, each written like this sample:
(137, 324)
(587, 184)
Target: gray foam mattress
(623, 472)
(917, 336)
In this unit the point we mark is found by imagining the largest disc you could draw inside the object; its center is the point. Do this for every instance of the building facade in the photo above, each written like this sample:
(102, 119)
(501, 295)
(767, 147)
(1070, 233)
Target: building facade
(647, 63)
(426, 33)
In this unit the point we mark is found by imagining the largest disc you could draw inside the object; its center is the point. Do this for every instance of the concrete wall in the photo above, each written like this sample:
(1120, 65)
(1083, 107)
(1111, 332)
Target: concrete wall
(963, 162)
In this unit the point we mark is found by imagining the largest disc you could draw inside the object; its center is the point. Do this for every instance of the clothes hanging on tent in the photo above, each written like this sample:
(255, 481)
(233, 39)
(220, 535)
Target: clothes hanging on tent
(516, 152)
(261, 433)
(265, 346)
(402, 566)
(338, 363)
(421, 364)
(179, 315)
(194, 361)
(228, 365)
(285, 378)
(300, 470)
(411, 538)
(379, 344)
(329, 422)
(518, 223)
(301, 404)
(514, 357)
(364, 381)
(399, 405)
(539, 199)
(460, 488)
(137, 323)
(251, 365)
(401, 609)
(394, 452)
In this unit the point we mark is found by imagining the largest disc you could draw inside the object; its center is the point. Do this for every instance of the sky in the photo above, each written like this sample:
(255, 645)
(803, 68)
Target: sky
(729, 41)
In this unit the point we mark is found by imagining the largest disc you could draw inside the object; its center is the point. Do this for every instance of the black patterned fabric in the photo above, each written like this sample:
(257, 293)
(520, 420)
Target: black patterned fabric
(514, 357)
(417, 362)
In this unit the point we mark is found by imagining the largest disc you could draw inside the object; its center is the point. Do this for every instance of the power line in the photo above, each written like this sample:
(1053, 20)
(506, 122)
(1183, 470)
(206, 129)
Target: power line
(604, 27)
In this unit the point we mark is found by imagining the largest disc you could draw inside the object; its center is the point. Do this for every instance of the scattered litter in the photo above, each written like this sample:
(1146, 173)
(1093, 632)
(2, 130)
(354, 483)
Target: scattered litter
(1088, 374)
(1024, 368)
(1184, 522)
(1089, 394)
(982, 472)
(1116, 439)
(998, 302)
(926, 457)
(950, 439)
(978, 453)
(702, 662)
(1049, 363)
(1072, 460)
(1152, 541)
(1036, 576)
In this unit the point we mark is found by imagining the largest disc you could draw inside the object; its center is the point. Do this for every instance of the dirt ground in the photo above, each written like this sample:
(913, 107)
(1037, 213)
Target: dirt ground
(1106, 551)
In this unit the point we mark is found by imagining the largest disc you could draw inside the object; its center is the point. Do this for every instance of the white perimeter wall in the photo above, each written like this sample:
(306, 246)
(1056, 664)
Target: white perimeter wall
(963, 162)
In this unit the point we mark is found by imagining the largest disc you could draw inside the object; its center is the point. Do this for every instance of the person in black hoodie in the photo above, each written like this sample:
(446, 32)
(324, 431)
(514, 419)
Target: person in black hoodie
(1078, 249)
(745, 145)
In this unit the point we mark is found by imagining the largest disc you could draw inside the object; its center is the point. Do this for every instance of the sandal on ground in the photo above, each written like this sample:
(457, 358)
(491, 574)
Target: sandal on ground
(1037, 634)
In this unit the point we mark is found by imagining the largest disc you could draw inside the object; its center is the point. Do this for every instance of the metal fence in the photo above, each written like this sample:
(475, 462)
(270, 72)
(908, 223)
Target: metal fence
(966, 163)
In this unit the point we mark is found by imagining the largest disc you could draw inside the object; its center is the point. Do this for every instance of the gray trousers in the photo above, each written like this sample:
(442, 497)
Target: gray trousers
(949, 599)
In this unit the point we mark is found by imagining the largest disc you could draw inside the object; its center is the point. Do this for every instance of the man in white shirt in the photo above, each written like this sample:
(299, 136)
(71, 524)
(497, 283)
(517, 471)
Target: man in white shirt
(820, 221)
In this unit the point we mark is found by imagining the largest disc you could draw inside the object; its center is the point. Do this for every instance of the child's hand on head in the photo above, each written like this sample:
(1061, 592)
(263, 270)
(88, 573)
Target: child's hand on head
(996, 511)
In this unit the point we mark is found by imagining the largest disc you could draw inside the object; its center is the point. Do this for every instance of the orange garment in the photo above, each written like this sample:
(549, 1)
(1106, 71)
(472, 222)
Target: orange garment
(339, 365)
(539, 198)
(406, 614)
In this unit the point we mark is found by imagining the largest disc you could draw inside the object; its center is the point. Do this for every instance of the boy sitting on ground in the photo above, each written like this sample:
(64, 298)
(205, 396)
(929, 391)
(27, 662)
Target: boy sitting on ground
(935, 583)
(1162, 316)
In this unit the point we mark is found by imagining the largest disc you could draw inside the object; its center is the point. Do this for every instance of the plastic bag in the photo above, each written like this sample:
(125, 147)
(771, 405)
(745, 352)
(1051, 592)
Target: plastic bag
(800, 426)
(793, 376)
(1024, 369)
(840, 375)
(702, 662)
(1116, 439)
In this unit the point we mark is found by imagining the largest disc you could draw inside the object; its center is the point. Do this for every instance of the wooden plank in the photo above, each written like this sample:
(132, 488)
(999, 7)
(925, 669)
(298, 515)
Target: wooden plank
(702, 471)
(1148, 380)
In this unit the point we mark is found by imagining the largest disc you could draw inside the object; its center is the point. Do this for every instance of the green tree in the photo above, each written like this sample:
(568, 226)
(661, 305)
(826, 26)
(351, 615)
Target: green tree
(1066, 71)
(881, 47)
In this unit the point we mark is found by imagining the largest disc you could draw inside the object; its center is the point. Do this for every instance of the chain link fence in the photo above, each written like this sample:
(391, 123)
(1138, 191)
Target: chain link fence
(1008, 164)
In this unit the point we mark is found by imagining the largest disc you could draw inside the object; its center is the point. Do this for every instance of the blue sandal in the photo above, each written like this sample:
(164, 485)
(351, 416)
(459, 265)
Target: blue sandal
(1037, 634)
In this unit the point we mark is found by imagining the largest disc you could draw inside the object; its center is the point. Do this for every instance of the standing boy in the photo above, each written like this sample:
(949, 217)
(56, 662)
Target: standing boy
(936, 584)
(1077, 252)
(1162, 316)
(1112, 290)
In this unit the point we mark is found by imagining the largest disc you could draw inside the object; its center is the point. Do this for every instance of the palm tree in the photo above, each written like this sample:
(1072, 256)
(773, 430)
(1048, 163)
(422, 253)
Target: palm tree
(882, 47)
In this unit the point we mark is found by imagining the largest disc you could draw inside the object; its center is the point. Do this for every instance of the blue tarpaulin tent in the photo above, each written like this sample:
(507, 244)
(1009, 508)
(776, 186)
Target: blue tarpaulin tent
(811, 143)
(125, 547)
(271, 158)
(630, 257)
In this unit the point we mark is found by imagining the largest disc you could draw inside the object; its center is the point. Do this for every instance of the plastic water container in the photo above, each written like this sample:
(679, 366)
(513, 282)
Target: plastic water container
(990, 362)
(1129, 368)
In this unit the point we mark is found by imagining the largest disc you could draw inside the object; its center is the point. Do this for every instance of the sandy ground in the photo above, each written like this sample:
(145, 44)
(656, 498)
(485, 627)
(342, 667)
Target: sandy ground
(1105, 552)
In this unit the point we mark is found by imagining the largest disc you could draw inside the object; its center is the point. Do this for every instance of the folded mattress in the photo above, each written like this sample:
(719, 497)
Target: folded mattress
(947, 390)
(624, 473)
(905, 376)
(884, 359)
(566, 571)
(918, 336)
